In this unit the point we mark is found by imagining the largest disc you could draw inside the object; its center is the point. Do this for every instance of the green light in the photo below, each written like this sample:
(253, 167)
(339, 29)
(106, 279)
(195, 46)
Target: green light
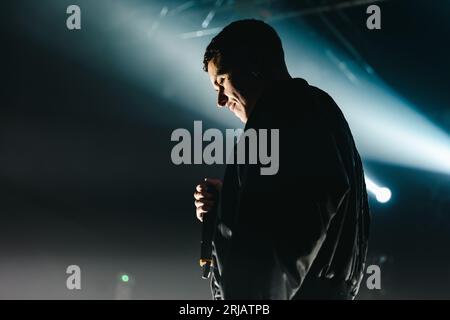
(125, 278)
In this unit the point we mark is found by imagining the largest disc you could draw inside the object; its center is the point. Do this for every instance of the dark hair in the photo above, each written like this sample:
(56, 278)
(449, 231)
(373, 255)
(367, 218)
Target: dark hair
(250, 45)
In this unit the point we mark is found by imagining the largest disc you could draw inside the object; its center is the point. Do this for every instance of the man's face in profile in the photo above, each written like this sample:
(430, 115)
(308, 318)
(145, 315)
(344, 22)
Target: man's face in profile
(236, 91)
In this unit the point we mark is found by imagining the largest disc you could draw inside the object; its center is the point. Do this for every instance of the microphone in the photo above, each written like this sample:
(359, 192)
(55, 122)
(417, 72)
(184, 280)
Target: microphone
(208, 227)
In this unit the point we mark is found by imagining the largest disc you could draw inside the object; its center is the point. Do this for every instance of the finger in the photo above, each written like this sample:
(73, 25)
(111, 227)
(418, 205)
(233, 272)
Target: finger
(203, 202)
(203, 195)
(200, 213)
(201, 187)
(203, 209)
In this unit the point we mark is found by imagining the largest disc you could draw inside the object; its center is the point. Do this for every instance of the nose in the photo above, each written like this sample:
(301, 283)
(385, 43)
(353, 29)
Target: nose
(222, 99)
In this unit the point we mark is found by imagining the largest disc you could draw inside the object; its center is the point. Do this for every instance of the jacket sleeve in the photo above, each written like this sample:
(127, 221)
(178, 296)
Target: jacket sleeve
(282, 219)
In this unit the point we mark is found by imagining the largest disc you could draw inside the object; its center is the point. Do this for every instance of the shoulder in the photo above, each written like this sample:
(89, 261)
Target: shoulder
(321, 95)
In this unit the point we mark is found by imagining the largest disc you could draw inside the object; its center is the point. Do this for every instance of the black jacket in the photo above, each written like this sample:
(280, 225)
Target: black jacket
(303, 232)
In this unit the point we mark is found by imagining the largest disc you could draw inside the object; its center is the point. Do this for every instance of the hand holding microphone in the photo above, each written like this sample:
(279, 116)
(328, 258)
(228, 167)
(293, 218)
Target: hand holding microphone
(206, 197)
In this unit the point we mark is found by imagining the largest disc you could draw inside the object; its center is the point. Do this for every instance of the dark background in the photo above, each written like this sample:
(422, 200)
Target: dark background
(85, 171)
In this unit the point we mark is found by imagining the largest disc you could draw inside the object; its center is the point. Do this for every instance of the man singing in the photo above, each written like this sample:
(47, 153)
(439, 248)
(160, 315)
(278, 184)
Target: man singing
(301, 233)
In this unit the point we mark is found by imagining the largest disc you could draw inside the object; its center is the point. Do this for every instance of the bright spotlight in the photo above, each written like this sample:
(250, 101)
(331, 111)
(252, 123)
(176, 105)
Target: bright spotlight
(382, 194)
(125, 278)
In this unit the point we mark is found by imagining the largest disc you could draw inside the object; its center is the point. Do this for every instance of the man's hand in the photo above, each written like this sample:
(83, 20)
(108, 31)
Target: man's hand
(204, 200)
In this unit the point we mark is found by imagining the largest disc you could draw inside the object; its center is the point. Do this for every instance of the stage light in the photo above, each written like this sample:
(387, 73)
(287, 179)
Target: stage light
(382, 194)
